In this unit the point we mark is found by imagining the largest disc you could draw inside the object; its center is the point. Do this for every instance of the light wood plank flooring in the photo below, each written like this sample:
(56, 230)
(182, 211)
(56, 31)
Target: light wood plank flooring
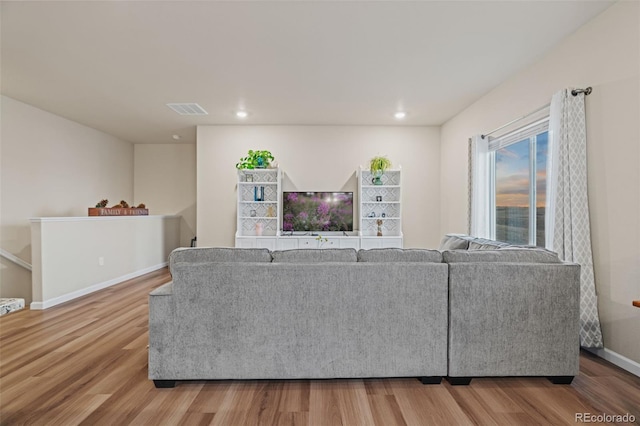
(85, 362)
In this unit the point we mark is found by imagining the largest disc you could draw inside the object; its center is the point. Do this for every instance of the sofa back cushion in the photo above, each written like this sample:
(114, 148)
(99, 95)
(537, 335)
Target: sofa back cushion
(505, 255)
(484, 244)
(314, 255)
(218, 254)
(454, 242)
(399, 255)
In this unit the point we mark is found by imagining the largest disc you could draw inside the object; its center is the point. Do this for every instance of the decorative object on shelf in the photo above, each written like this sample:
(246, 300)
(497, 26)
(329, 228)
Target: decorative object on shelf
(321, 240)
(258, 193)
(255, 160)
(378, 166)
(120, 209)
(252, 213)
(270, 212)
(248, 178)
(379, 198)
(372, 214)
(379, 223)
(383, 214)
(259, 229)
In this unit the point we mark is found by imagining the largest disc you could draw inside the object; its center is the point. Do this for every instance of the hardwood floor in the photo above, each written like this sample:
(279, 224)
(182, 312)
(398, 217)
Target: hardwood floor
(85, 362)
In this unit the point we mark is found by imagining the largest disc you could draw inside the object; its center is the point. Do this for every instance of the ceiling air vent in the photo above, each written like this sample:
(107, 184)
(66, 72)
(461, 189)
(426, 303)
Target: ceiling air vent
(188, 109)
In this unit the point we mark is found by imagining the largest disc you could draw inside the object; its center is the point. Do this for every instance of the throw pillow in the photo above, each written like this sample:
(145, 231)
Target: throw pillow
(454, 242)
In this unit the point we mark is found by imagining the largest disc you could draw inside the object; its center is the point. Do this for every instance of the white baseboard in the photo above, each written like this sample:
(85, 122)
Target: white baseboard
(615, 358)
(83, 292)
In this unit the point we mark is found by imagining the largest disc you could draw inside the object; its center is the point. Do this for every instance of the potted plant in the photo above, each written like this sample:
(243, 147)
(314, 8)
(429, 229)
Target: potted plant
(255, 160)
(377, 167)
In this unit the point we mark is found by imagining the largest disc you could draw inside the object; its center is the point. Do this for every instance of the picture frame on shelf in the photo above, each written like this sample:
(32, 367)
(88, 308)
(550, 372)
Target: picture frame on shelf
(248, 177)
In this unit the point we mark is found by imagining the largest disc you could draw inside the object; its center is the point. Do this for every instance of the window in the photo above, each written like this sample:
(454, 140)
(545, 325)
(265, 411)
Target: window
(518, 169)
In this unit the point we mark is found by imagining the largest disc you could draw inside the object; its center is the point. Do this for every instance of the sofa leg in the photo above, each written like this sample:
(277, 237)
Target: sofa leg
(430, 380)
(162, 384)
(458, 381)
(561, 380)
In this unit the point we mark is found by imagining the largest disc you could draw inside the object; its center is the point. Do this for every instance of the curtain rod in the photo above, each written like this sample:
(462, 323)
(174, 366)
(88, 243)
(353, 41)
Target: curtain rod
(574, 92)
(586, 91)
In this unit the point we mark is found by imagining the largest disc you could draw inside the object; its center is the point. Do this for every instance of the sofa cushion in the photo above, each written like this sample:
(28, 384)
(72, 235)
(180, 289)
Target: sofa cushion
(454, 242)
(314, 255)
(506, 255)
(484, 244)
(399, 255)
(219, 254)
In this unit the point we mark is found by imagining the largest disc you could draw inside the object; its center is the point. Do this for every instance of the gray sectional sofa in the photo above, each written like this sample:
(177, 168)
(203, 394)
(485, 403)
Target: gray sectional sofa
(460, 312)
(513, 311)
(255, 314)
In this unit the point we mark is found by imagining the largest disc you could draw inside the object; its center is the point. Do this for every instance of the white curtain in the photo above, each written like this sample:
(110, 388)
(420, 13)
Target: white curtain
(480, 202)
(567, 228)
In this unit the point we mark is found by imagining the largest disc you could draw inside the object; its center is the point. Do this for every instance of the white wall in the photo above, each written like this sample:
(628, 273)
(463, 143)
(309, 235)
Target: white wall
(98, 252)
(164, 179)
(319, 158)
(51, 166)
(604, 54)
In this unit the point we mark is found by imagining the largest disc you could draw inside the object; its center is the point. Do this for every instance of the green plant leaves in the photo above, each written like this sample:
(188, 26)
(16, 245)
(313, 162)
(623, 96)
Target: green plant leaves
(379, 164)
(255, 159)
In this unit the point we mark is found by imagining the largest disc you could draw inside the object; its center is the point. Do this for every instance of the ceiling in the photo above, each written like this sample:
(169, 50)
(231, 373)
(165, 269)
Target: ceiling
(114, 65)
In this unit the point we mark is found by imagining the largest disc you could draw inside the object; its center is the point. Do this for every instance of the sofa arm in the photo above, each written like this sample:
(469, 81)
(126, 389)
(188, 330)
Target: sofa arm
(162, 328)
(163, 290)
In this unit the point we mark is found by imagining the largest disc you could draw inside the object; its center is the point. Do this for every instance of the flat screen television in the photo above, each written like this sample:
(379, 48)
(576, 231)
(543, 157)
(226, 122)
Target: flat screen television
(317, 211)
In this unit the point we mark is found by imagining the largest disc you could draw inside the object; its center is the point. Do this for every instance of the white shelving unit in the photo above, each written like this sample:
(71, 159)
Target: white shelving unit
(380, 209)
(259, 207)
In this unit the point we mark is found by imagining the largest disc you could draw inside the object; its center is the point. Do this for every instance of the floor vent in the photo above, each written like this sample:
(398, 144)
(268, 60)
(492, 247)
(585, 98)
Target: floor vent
(188, 109)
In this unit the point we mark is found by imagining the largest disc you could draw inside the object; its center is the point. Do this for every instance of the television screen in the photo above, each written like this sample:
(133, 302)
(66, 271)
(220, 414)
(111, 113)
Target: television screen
(317, 211)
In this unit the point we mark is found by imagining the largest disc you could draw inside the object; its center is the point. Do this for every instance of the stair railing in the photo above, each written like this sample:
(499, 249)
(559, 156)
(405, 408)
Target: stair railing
(15, 259)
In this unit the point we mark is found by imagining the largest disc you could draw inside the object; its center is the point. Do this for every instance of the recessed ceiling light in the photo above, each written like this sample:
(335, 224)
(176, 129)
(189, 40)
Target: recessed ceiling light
(400, 115)
(176, 137)
(241, 114)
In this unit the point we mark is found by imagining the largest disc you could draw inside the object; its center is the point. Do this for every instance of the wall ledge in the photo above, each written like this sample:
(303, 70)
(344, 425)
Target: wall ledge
(99, 286)
(94, 218)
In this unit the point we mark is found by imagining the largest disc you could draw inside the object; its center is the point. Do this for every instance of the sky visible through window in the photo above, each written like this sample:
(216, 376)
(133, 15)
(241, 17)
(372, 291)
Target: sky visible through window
(513, 186)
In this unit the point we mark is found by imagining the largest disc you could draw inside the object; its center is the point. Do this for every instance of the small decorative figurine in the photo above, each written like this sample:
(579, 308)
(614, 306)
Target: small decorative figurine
(379, 222)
